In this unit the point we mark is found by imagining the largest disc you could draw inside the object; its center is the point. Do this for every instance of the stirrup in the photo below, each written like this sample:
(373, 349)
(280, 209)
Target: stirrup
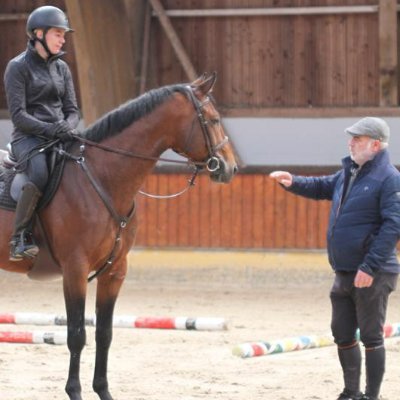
(19, 249)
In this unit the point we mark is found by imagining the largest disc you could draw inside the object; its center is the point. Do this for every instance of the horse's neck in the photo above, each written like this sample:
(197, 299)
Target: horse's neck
(121, 175)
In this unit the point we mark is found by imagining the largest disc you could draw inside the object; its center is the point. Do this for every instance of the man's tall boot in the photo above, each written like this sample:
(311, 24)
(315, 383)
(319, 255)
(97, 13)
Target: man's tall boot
(26, 206)
(374, 371)
(350, 360)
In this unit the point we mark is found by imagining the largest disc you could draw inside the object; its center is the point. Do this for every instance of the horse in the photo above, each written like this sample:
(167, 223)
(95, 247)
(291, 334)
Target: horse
(90, 223)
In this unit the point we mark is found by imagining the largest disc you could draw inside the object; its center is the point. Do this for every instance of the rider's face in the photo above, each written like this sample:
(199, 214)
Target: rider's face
(55, 39)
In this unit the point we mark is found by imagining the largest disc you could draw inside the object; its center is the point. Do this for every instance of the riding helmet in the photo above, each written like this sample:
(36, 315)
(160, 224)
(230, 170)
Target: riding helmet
(46, 17)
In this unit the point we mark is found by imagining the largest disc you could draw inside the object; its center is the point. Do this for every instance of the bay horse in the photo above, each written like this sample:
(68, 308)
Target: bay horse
(91, 222)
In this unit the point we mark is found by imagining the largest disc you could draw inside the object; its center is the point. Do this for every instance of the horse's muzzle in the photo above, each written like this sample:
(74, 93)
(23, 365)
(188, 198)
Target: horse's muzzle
(221, 171)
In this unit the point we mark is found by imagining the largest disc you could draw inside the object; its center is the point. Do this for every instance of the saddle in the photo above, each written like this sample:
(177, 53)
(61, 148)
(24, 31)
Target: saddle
(11, 182)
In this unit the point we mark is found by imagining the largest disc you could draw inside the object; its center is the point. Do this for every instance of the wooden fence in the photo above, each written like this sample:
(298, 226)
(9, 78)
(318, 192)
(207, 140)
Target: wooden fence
(252, 212)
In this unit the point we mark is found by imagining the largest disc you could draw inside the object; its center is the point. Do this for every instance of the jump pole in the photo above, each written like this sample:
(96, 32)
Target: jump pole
(255, 349)
(122, 321)
(34, 337)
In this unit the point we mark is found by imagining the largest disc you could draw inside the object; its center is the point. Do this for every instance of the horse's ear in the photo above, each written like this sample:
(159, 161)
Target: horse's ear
(199, 80)
(206, 86)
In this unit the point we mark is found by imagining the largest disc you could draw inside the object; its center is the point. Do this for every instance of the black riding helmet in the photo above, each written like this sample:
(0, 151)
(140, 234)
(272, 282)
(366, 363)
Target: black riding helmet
(46, 17)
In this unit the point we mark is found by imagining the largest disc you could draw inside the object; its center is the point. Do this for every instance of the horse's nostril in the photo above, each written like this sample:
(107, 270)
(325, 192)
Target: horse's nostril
(235, 170)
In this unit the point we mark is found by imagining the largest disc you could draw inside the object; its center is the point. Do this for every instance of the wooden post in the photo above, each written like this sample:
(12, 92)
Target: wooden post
(104, 55)
(388, 68)
(145, 49)
(174, 39)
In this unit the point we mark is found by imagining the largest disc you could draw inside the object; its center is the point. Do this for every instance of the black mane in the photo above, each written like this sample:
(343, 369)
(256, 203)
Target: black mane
(118, 119)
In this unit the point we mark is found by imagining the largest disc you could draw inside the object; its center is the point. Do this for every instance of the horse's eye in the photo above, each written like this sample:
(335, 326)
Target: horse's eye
(214, 121)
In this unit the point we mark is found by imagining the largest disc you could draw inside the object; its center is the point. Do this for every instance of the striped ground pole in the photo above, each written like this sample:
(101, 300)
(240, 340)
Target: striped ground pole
(255, 349)
(34, 337)
(122, 321)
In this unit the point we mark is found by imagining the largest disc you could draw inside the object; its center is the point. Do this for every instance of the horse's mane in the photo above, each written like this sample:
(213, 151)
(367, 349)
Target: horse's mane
(118, 119)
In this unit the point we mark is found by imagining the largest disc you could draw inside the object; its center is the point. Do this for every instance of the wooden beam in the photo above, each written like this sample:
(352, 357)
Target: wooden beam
(388, 66)
(14, 17)
(85, 74)
(104, 55)
(271, 11)
(308, 112)
(145, 49)
(174, 39)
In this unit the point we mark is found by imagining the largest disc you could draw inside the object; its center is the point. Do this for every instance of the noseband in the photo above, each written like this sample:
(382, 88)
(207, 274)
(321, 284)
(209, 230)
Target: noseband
(213, 162)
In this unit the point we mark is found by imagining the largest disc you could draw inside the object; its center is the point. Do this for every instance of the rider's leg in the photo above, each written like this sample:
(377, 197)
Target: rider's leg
(37, 171)
(19, 247)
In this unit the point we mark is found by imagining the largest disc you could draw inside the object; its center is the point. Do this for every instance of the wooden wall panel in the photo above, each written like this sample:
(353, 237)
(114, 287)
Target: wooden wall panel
(252, 212)
(276, 61)
(264, 62)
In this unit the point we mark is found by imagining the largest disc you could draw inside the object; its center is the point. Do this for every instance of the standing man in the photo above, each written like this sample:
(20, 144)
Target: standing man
(42, 104)
(364, 228)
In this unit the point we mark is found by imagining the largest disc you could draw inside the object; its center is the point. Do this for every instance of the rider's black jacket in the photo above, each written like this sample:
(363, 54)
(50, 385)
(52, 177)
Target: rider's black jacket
(39, 93)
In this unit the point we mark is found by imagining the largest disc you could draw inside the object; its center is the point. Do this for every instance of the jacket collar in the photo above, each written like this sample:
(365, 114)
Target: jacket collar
(36, 57)
(381, 158)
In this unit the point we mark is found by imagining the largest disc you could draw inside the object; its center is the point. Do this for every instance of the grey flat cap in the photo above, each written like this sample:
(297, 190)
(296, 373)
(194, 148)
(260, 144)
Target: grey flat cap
(375, 128)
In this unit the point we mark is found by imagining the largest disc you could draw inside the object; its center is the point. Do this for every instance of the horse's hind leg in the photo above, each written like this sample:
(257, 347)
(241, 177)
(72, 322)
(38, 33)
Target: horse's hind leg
(107, 291)
(75, 295)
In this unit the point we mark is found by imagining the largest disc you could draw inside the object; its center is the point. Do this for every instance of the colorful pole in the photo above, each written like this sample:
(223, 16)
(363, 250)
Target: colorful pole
(255, 349)
(122, 321)
(34, 337)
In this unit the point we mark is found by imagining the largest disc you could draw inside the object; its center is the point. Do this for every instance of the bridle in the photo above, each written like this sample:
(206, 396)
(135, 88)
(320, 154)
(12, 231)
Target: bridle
(213, 163)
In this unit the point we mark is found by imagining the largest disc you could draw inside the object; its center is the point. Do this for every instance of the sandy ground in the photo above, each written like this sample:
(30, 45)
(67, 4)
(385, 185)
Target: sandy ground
(265, 301)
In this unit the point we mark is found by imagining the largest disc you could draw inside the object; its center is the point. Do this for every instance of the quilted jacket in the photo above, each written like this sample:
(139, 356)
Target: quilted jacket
(364, 228)
(39, 92)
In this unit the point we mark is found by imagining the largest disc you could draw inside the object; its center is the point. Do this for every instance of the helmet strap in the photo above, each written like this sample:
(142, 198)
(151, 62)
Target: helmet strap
(43, 42)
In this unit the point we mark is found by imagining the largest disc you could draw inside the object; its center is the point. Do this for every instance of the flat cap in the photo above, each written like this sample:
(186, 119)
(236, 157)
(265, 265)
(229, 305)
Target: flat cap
(375, 128)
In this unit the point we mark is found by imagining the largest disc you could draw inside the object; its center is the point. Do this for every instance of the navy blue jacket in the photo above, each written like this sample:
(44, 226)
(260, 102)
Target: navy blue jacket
(364, 229)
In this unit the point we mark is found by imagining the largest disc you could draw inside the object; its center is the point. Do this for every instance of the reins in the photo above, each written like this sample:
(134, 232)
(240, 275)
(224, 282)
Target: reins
(191, 181)
(130, 154)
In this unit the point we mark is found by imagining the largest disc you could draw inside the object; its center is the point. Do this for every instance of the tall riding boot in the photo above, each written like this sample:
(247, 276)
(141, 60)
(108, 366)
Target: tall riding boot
(26, 206)
(350, 360)
(374, 370)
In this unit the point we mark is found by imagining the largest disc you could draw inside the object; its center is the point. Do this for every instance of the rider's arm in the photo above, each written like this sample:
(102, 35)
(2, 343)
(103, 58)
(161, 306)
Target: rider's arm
(15, 84)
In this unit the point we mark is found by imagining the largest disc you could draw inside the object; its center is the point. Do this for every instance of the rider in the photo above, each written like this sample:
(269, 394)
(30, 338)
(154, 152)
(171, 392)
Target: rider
(42, 104)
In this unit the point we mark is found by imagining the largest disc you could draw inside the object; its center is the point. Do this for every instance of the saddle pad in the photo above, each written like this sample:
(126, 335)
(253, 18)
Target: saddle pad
(7, 175)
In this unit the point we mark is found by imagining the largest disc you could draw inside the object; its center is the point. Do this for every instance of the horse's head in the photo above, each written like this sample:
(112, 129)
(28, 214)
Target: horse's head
(205, 140)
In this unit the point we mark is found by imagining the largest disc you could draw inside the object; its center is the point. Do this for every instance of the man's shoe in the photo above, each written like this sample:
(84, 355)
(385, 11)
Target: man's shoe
(346, 395)
(366, 397)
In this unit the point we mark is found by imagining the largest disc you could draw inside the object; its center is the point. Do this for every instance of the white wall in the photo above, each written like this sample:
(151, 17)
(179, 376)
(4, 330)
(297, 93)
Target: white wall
(298, 141)
(284, 141)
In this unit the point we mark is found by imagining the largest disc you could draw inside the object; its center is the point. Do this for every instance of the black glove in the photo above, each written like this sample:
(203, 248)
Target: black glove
(53, 131)
(67, 135)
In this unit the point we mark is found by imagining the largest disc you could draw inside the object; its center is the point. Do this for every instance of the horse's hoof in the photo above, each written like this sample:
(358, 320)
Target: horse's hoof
(105, 395)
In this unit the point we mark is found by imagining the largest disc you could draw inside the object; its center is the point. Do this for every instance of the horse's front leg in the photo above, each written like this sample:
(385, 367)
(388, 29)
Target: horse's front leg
(75, 296)
(107, 292)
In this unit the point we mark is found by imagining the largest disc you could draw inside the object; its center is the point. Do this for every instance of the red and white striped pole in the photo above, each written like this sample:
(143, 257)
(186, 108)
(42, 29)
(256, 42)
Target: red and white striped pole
(34, 337)
(122, 321)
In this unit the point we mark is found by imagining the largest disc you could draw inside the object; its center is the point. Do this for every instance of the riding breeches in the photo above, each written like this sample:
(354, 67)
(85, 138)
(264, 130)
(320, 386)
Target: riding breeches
(36, 166)
(363, 308)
